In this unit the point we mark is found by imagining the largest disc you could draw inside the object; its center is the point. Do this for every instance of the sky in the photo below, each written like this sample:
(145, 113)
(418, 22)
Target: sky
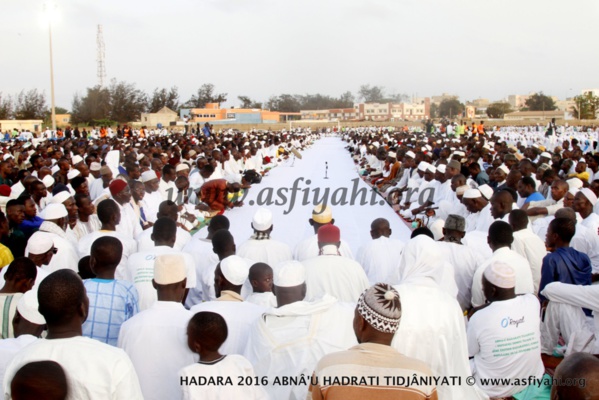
(259, 48)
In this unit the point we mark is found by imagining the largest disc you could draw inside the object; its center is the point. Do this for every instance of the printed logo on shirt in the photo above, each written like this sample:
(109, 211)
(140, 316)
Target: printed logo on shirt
(507, 321)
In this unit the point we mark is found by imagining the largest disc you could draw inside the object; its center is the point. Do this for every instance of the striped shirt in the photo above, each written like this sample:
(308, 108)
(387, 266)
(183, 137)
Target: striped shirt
(8, 309)
(111, 302)
(370, 371)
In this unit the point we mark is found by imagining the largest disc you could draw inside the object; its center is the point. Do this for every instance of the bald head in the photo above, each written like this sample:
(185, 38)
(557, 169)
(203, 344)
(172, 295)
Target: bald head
(518, 220)
(380, 227)
(582, 369)
(566, 212)
(501, 204)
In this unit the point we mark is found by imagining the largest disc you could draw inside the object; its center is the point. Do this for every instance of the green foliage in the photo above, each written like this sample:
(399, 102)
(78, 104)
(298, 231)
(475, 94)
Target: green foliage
(498, 110)
(371, 94)
(246, 102)
(450, 108)
(164, 98)
(204, 95)
(30, 105)
(586, 106)
(540, 102)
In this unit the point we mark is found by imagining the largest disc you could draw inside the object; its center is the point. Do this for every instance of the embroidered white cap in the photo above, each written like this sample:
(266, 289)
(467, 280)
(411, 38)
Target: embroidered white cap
(501, 275)
(262, 220)
(28, 308)
(235, 269)
(169, 269)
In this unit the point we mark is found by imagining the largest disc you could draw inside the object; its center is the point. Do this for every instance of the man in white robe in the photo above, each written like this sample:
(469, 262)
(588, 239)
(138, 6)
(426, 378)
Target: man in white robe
(291, 339)
(129, 225)
(94, 370)
(200, 248)
(230, 275)
(463, 258)
(500, 239)
(100, 185)
(156, 339)
(261, 247)
(54, 227)
(584, 201)
(140, 265)
(109, 215)
(432, 326)
(528, 245)
(331, 273)
(308, 248)
(152, 198)
(381, 256)
(169, 210)
(565, 318)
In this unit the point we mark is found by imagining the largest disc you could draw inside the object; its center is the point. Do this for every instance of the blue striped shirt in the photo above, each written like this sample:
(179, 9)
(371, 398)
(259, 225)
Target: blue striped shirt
(111, 302)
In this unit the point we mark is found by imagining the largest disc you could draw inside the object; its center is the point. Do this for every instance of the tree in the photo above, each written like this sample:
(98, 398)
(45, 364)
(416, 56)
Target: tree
(374, 94)
(450, 108)
(246, 102)
(30, 105)
(60, 110)
(347, 100)
(586, 106)
(204, 95)
(284, 103)
(94, 106)
(498, 110)
(127, 102)
(164, 98)
(6, 111)
(540, 102)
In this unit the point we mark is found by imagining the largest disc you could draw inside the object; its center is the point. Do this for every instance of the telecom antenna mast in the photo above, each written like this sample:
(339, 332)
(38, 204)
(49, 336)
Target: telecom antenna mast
(101, 57)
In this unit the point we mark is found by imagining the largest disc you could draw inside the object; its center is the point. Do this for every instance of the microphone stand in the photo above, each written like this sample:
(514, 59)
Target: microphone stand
(326, 170)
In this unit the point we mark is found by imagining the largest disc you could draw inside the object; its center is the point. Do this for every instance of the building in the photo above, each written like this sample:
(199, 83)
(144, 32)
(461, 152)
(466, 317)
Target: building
(62, 120)
(394, 111)
(31, 125)
(334, 114)
(215, 115)
(565, 105)
(163, 117)
(534, 115)
(517, 101)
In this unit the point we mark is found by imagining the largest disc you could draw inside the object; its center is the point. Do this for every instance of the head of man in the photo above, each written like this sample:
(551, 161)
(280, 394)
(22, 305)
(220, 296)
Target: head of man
(85, 206)
(120, 191)
(261, 277)
(526, 187)
(20, 276)
(105, 256)
(377, 315)
(513, 178)
(206, 332)
(106, 175)
(454, 229)
(41, 250)
(499, 282)
(27, 319)
(518, 220)
(79, 185)
(453, 168)
(501, 204)
(474, 169)
(501, 173)
(38, 190)
(321, 215)
(457, 181)
(500, 235)
(63, 303)
(217, 223)
(289, 283)
(380, 227)
(223, 244)
(109, 214)
(584, 201)
(559, 233)
(15, 211)
(164, 232)
(57, 214)
(559, 188)
(40, 380)
(133, 171)
(581, 368)
(230, 274)
(170, 277)
(262, 222)
(474, 201)
(150, 181)
(169, 173)
(329, 235)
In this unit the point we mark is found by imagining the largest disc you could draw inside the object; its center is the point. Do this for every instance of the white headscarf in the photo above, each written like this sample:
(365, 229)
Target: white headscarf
(422, 264)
